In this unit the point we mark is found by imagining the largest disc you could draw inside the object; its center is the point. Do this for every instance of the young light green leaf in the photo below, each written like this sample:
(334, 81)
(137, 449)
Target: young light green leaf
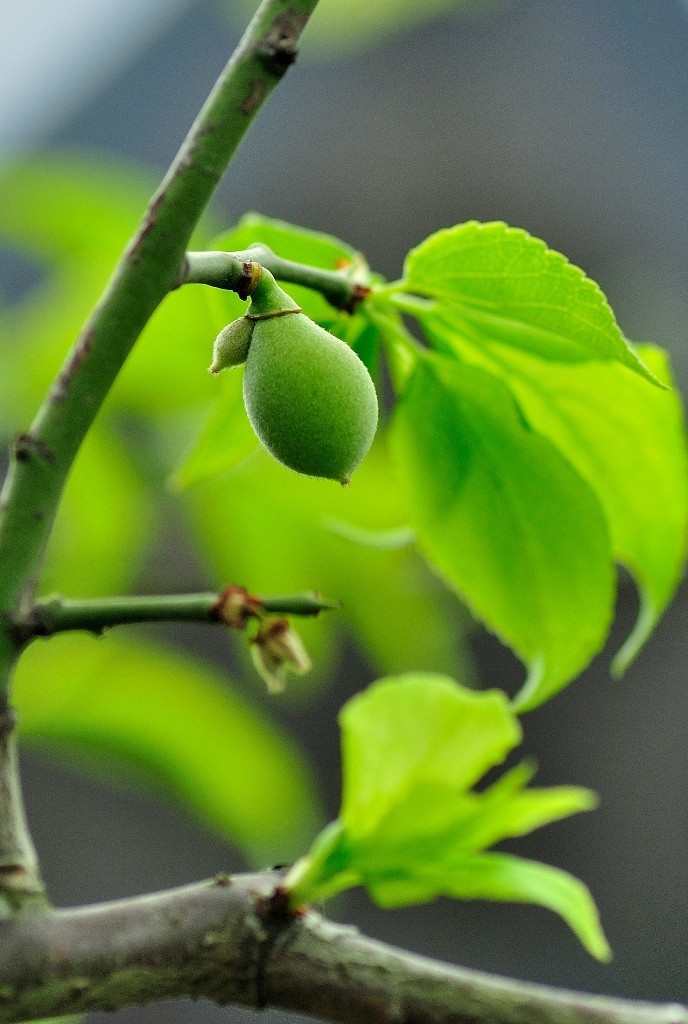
(500, 283)
(127, 708)
(506, 519)
(411, 829)
(507, 809)
(625, 438)
(409, 743)
(500, 876)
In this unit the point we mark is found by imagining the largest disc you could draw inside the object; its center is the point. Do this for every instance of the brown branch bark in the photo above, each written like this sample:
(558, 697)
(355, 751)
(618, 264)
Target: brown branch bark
(229, 940)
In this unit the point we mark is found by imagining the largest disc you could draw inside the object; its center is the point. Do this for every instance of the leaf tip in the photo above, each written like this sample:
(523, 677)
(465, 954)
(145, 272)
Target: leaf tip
(531, 693)
(638, 637)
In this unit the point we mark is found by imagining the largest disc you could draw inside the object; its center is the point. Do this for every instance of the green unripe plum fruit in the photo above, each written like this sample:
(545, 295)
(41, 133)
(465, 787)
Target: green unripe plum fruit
(309, 397)
(232, 344)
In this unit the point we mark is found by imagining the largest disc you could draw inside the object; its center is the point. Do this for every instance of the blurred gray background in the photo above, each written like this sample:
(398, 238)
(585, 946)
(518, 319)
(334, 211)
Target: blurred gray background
(566, 117)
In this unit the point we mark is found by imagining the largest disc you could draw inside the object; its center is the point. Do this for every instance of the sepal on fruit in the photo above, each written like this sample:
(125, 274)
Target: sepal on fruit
(232, 345)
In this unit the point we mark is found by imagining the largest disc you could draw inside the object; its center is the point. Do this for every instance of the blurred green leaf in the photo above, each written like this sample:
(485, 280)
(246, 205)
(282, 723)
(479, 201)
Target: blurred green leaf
(268, 529)
(496, 282)
(158, 717)
(106, 518)
(70, 207)
(225, 440)
(625, 438)
(76, 214)
(168, 369)
(410, 827)
(397, 537)
(506, 520)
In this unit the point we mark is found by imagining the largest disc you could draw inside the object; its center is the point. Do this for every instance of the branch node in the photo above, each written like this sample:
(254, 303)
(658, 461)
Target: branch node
(251, 273)
(359, 292)
(181, 275)
(277, 50)
(235, 606)
(277, 919)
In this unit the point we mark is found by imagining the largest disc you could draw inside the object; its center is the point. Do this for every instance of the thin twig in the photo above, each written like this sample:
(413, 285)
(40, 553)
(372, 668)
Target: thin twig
(94, 615)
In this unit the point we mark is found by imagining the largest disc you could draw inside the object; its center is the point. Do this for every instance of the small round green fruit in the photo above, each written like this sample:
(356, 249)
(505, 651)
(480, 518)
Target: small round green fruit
(309, 397)
(232, 345)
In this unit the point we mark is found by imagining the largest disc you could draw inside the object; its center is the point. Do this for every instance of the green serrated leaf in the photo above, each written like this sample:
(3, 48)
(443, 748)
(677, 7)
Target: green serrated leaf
(155, 717)
(411, 828)
(501, 283)
(625, 438)
(506, 519)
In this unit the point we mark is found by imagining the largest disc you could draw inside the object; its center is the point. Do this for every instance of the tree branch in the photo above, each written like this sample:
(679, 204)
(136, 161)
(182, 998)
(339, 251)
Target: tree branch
(148, 269)
(229, 940)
